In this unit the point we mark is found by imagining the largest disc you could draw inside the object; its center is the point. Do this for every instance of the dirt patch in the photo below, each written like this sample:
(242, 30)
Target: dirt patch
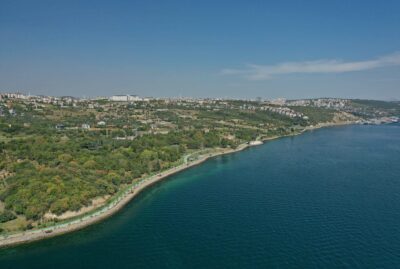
(97, 202)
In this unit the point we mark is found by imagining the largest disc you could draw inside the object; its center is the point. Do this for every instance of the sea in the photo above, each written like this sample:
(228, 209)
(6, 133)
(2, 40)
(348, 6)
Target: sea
(329, 198)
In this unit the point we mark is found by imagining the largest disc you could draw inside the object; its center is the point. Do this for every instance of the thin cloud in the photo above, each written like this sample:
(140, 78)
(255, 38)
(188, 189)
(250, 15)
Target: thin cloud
(263, 72)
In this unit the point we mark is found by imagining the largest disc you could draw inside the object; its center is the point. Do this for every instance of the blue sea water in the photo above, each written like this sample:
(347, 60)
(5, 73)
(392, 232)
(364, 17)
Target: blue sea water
(325, 199)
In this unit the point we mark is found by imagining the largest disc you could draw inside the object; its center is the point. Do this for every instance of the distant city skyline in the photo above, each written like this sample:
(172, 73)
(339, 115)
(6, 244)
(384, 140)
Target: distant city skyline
(225, 49)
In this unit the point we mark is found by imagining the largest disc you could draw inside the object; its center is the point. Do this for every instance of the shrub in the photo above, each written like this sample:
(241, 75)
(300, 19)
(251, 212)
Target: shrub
(6, 215)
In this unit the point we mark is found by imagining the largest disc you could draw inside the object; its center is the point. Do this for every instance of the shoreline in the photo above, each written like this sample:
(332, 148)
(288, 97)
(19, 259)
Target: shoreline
(114, 207)
(39, 234)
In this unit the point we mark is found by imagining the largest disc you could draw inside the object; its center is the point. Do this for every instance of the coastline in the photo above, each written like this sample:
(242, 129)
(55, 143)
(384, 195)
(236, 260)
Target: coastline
(39, 234)
(56, 230)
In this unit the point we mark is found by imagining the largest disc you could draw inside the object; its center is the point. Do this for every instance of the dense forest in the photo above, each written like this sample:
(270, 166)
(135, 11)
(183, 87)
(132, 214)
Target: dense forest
(65, 172)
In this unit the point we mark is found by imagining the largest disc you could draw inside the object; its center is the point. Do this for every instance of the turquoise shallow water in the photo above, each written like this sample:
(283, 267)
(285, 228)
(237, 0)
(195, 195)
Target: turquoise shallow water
(325, 199)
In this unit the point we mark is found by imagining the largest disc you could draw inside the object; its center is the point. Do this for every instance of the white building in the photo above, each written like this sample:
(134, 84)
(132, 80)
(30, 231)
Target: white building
(13, 95)
(85, 126)
(125, 98)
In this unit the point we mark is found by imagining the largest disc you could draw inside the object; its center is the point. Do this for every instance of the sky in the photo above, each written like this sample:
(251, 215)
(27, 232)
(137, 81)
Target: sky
(235, 49)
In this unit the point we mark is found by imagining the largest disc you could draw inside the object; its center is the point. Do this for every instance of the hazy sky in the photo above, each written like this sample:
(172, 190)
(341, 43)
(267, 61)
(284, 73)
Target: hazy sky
(244, 49)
